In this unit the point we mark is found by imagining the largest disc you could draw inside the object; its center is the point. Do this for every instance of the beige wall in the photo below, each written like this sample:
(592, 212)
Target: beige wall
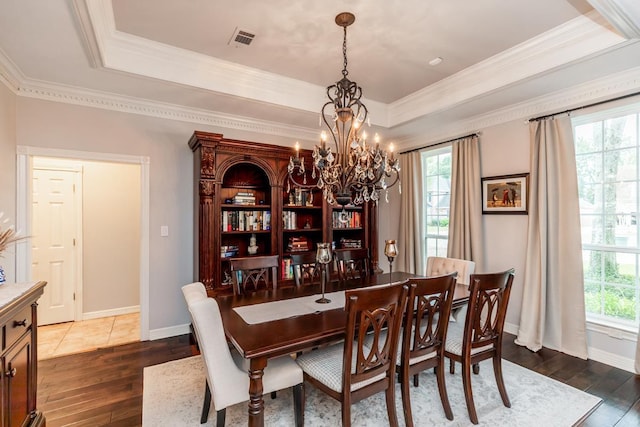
(47, 124)
(8, 170)
(111, 236)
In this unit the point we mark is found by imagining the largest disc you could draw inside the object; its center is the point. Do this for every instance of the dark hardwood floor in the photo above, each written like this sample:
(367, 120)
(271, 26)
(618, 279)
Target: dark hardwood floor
(104, 387)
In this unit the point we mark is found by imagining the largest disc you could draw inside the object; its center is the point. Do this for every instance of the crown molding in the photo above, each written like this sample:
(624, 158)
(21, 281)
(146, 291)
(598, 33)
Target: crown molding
(10, 75)
(594, 91)
(579, 38)
(89, 42)
(624, 15)
(107, 101)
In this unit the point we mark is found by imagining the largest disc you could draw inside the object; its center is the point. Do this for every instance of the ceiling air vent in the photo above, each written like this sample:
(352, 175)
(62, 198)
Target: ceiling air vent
(241, 38)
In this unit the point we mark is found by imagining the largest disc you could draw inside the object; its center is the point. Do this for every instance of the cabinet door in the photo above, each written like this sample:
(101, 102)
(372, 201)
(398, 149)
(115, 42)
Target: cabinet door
(16, 383)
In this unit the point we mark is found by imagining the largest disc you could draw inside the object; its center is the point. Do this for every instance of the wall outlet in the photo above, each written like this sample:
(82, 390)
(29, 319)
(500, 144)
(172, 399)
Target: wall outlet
(164, 230)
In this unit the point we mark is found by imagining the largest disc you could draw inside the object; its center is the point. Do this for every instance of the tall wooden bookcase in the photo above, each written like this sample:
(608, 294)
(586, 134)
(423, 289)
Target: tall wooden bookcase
(241, 191)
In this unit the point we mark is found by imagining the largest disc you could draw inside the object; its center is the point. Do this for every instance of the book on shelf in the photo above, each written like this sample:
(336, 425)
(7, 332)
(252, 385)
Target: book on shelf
(244, 198)
(350, 219)
(286, 268)
(245, 220)
(350, 243)
(298, 244)
(289, 220)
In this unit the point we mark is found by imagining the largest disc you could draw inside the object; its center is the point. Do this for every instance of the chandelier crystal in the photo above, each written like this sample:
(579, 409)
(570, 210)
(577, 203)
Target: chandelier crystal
(353, 170)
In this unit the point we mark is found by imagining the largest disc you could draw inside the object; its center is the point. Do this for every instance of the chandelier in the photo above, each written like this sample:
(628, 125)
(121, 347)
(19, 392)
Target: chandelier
(354, 170)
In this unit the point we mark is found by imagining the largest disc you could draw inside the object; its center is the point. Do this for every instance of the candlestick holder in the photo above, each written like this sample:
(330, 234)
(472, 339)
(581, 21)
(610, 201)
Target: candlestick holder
(323, 258)
(391, 251)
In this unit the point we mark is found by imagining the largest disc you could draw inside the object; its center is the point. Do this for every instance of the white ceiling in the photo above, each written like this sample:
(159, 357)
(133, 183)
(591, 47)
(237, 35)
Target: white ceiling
(175, 56)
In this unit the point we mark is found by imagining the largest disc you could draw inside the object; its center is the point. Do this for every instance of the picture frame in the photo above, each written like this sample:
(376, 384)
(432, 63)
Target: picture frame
(506, 194)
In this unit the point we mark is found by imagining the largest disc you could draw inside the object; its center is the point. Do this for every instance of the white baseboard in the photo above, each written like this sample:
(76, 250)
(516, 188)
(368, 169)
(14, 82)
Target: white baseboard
(171, 331)
(611, 359)
(595, 354)
(511, 328)
(110, 312)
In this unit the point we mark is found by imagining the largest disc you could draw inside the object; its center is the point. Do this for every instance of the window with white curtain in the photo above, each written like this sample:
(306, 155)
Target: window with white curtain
(436, 168)
(608, 167)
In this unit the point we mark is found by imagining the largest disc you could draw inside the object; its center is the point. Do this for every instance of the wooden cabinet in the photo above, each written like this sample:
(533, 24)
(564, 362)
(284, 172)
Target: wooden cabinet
(18, 359)
(244, 206)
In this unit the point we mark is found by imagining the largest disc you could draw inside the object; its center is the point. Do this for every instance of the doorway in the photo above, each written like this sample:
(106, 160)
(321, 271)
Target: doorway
(95, 211)
(85, 244)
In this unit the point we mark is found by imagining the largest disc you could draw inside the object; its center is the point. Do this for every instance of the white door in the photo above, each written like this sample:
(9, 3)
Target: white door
(53, 255)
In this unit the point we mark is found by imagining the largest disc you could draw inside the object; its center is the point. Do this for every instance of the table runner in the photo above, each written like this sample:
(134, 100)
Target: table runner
(283, 309)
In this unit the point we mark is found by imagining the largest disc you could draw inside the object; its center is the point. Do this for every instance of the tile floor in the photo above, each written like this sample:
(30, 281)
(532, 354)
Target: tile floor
(75, 337)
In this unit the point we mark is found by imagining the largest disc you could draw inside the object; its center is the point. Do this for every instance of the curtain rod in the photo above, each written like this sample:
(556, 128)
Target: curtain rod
(537, 119)
(440, 143)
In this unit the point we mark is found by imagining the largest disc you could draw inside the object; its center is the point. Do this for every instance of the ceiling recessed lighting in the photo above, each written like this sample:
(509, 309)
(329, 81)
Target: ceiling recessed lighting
(435, 61)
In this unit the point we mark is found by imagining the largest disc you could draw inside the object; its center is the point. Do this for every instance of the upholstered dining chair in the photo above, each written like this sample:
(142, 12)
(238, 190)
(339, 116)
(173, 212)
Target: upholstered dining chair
(194, 292)
(305, 268)
(437, 266)
(350, 371)
(227, 379)
(255, 272)
(480, 337)
(352, 263)
(424, 334)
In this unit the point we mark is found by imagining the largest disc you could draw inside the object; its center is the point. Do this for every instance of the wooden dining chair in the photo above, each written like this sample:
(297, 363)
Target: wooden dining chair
(481, 336)
(424, 334)
(350, 371)
(352, 263)
(253, 273)
(227, 381)
(305, 268)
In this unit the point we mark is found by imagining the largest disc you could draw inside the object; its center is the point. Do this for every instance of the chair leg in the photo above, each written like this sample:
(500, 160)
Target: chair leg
(206, 405)
(497, 369)
(346, 410)
(406, 402)
(452, 367)
(274, 394)
(468, 393)
(391, 404)
(298, 404)
(442, 389)
(416, 381)
(220, 417)
(476, 368)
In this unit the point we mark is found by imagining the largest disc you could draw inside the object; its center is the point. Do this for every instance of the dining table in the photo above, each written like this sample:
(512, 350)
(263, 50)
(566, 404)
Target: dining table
(276, 322)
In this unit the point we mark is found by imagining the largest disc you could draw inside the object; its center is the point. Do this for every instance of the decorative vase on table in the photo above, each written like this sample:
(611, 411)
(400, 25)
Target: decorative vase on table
(391, 251)
(323, 257)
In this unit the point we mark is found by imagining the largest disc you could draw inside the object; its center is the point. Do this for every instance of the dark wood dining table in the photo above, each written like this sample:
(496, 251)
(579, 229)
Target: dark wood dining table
(262, 341)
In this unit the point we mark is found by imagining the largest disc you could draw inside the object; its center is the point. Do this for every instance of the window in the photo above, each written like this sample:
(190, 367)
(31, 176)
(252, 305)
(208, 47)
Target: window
(608, 166)
(436, 168)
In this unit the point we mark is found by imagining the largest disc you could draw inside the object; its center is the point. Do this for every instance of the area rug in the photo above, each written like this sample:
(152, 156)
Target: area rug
(173, 394)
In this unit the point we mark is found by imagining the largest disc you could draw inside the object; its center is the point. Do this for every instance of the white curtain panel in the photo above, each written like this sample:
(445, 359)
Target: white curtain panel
(465, 219)
(553, 312)
(410, 247)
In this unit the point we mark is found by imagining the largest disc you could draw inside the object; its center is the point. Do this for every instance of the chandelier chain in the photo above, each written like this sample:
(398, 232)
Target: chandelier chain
(344, 52)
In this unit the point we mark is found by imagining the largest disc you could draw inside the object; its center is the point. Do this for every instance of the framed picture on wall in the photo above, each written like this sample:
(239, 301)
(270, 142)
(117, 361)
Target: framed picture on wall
(506, 194)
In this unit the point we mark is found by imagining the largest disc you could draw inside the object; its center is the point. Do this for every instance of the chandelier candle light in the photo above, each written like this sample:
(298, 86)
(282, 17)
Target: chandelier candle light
(323, 257)
(391, 251)
(354, 170)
